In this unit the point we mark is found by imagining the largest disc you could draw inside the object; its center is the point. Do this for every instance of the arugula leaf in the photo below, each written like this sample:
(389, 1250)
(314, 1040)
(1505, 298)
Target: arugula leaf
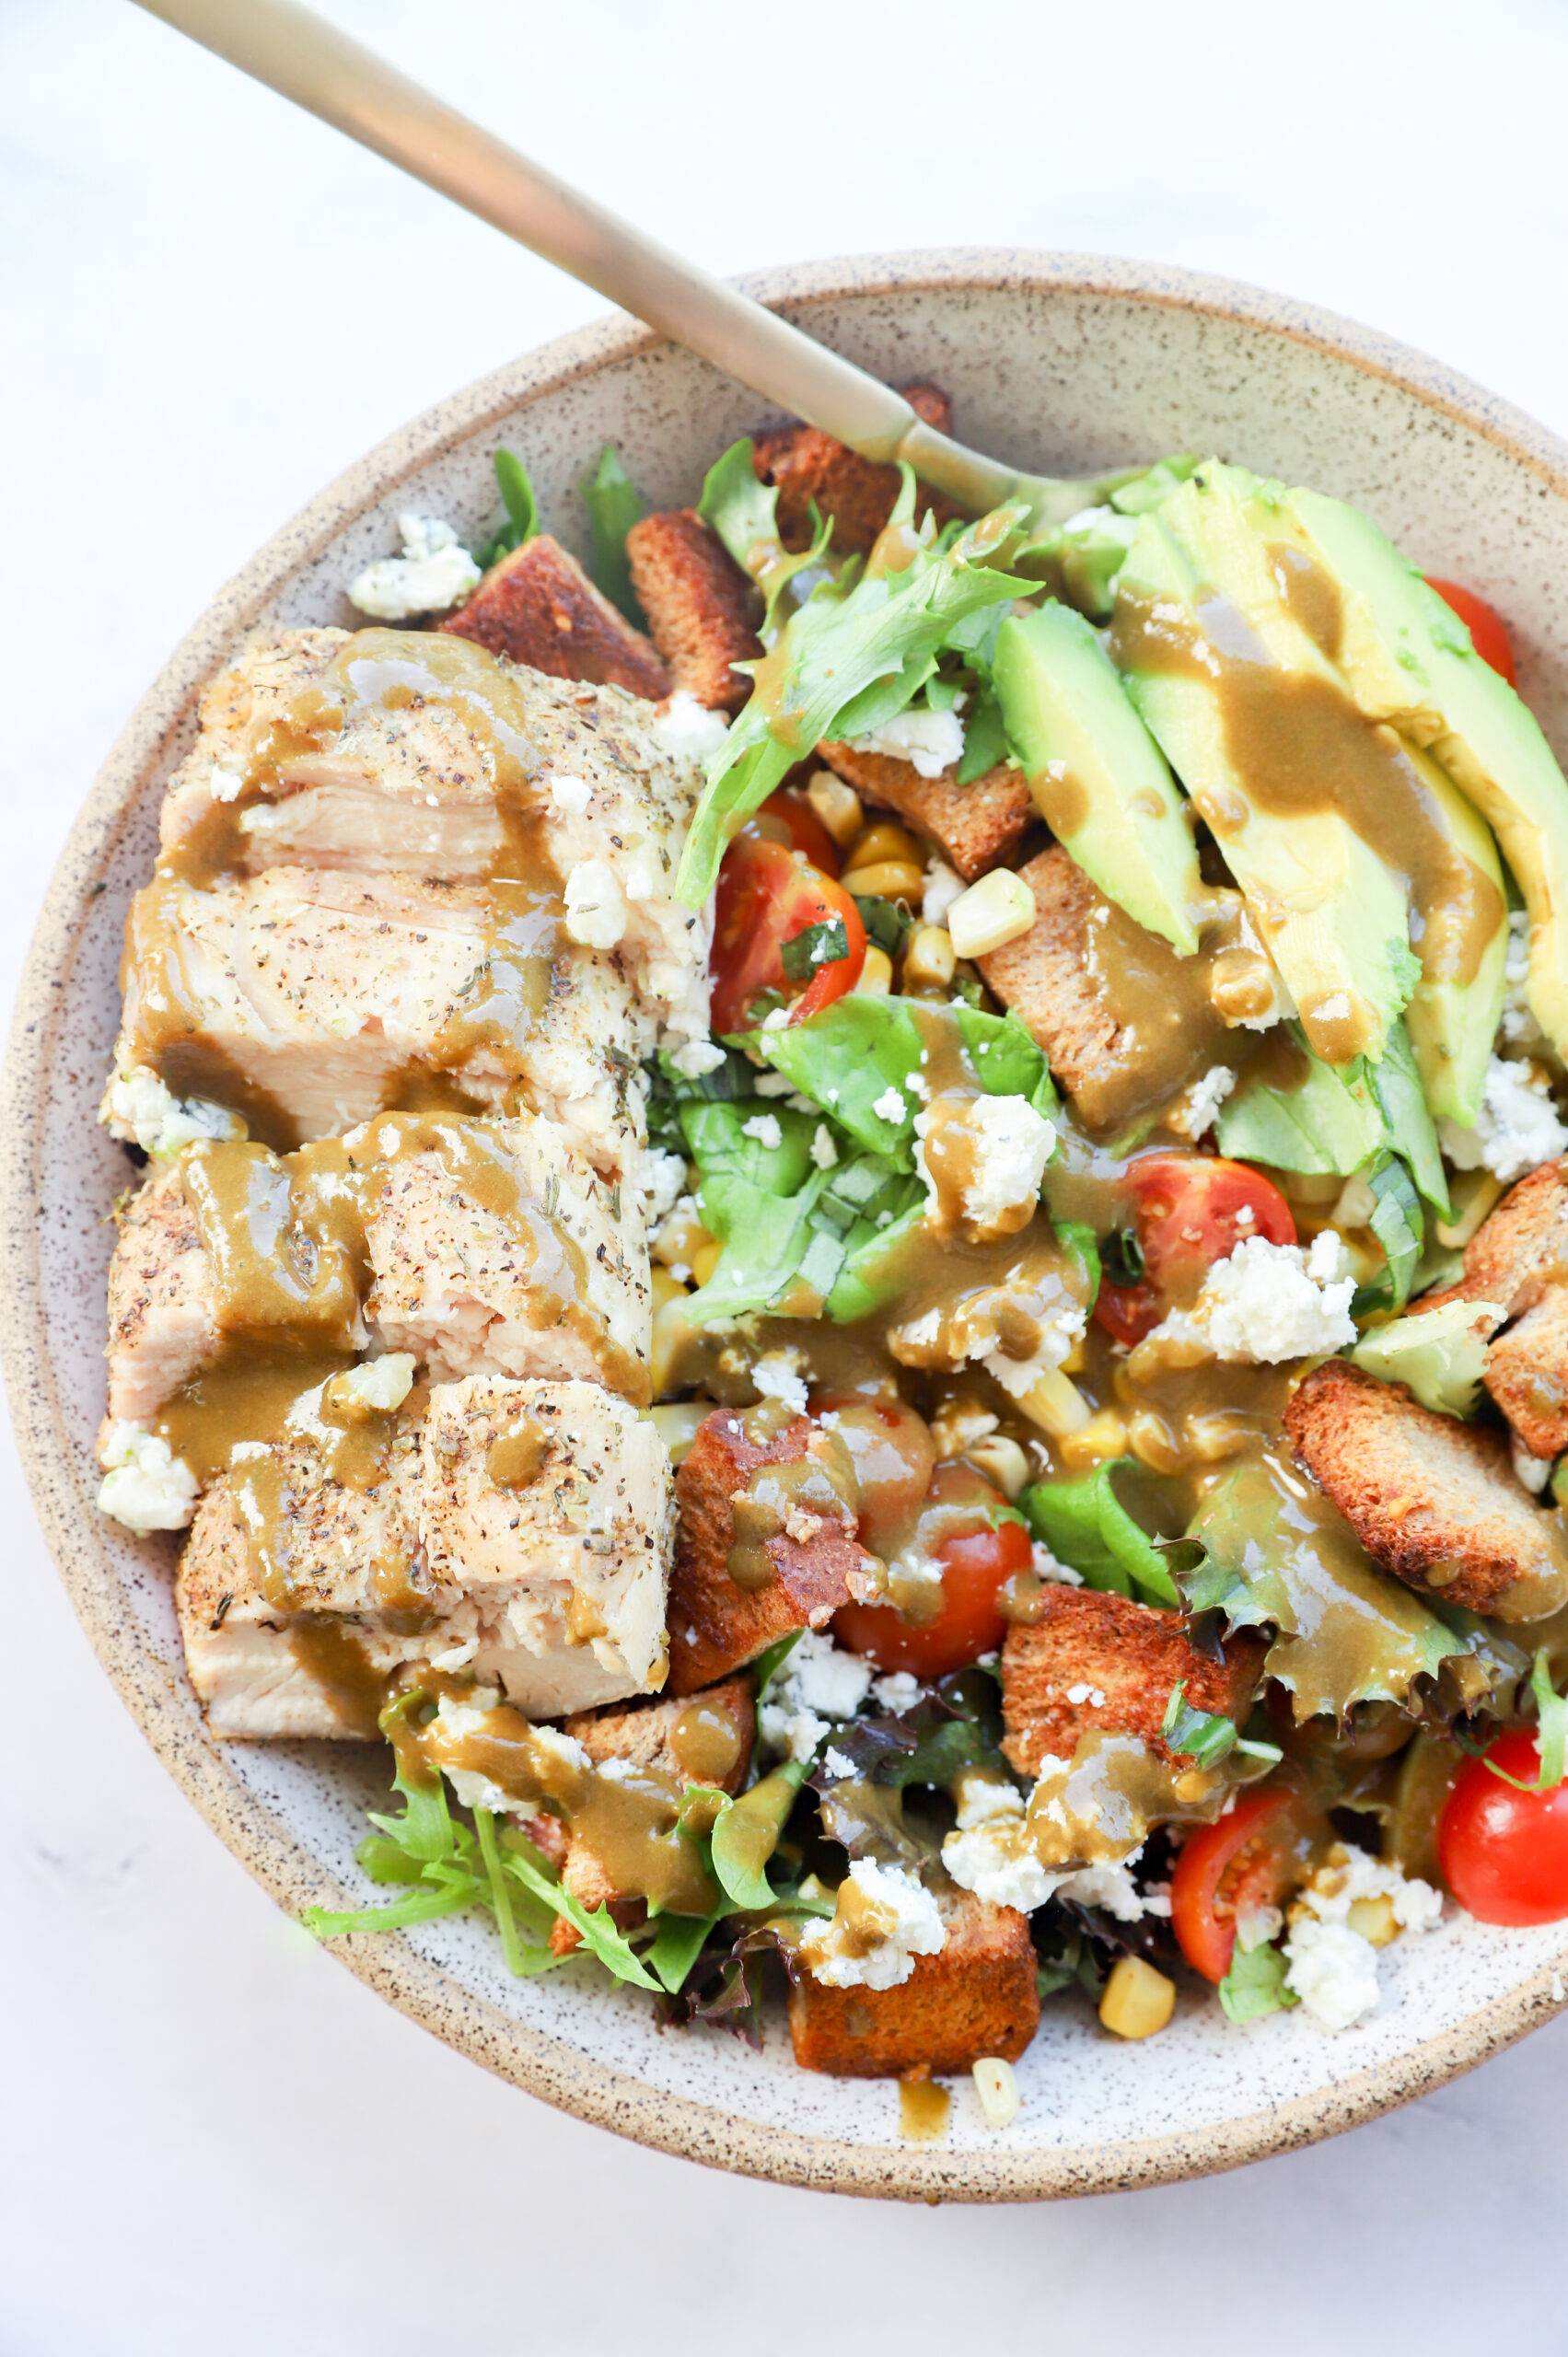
(1552, 1736)
(614, 504)
(522, 510)
(1087, 1527)
(826, 654)
(1277, 1554)
(1254, 1984)
(814, 946)
(600, 1934)
(956, 1724)
(677, 1946)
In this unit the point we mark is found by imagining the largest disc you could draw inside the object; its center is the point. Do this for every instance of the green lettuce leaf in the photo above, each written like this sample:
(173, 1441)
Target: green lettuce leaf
(614, 504)
(716, 1140)
(1254, 1984)
(600, 1934)
(1398, 1224)
(1087, 1527)
(522, 510)
(985, 738)
(770, 1246)
(1411, 1133)
(827, 653)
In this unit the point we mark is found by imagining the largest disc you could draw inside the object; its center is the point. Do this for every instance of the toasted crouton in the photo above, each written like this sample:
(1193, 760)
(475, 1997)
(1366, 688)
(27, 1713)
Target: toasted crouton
(857, 494)
(1431, 1500)
(977, 1996)
(716, 1626)
(539, 607)
(1518, 1258)
(975, 827)
(1096, 1664)
(705, 1739)
(1119, 1053)
(700, 607)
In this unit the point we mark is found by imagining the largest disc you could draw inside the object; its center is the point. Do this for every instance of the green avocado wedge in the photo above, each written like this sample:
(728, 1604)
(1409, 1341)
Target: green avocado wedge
(1100, 782)
(1440, 1352)
(1408, 660)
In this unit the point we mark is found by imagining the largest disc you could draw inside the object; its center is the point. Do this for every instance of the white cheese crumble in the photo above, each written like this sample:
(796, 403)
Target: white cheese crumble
(145, 1485)
(696, 1058)
(380, 1383)
(1519, 1128)
(1518, 1025)
(1012, 1146)
(1333, 1971)
(943, 885)
(1331, 1964)
(890, 1106)
(930, 741)
(597, 913)
(225, 785)
(824, 1153)
(764, 1128)
(1533, 1471)
(1204, 1101)
(661, 1179)
(894, 1920)
(816, 1685)
(1046, 1567)
(898, 1692)
(1270, 1301)
(687, 728)
(571, 795)
(777, 1376)
(161, 1123)
(432, 574)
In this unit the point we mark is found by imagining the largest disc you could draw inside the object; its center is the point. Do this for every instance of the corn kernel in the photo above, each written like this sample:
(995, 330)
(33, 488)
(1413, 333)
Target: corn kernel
(1001, 1461)
(1153, 1443)
(996, 2084)
(1105, 1435)
(997, 909)
(1077, 1359)
(1374, 1918)
(877, 974)
(676, 1425)
(680, 1238)
(882, 842)
(1054, 1404)
(1138, 2000)
(836, 804)
(928, 956)
(665, 1286)
(887, 879)
(706, 1261)
(670, 1341)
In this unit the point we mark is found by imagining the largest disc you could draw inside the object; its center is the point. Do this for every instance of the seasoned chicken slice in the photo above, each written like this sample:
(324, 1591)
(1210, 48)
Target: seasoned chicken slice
(309, 1001)
(516, 1531)
(410, 753)
(489, 1247)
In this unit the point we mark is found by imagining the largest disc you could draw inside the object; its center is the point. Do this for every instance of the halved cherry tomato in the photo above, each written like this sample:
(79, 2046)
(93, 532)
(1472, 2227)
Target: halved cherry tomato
(1503, 1853)
(807, 831)
(894, 1458)
(766, 895)
(1192, 1209)
(974, 1563)
(1487, 629)
(1248, 1859)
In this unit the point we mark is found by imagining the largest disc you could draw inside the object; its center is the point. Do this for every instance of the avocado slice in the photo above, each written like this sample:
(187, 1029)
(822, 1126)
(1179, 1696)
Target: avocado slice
(1101, 782)
(1330, 913)
(1407, 660)
(1440, 1352)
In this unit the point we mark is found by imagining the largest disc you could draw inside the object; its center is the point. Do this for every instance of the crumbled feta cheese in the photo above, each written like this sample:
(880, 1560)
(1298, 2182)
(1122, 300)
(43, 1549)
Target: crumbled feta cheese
(571, 795)
(943, 885)
(890, 1106)
(597, 913)
(837, 1765)
(1270, 1301)
(1533, 1471)
(226, 784)
(1333, 1971)
(777, 1376)
(773, 1084)
(1331, 1965)
(764, 1128)
(383, 1382)
(1112, 1887)
(661, 1179)
(696, 1058)
(892, 1920)
(897, 1692)
(1518, 1025)
(1046, 1567)
(930, 741)
(432, 574)
(1519, 1128)
(1203, 1102)
(794, 1732)
(1059, 1332)
(1012, 1146)
(145, 1485)
(687, 728)
(994, 1861)
(161, 1122)
(982, 1797)
(824, 1678)
(779, 1020)
(1079, 1693)
(824, 1153)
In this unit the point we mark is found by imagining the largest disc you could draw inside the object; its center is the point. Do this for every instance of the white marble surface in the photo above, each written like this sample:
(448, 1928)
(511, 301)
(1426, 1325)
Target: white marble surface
(213, 2138)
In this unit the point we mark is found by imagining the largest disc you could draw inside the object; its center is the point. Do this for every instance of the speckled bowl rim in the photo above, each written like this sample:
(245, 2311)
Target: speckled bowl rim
(543, 2065)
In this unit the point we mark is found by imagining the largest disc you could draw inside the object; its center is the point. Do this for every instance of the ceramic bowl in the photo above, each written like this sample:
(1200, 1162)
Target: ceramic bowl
(1061, 363)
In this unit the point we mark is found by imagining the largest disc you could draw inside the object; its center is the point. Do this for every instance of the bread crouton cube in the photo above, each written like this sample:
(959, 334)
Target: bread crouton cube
(796, 1541)
(1433, 1501)
(1097, 1664)
(539, 607)
(702, 608)
(1518, 1258)
(977, 1996)
(975, 827)
(809, 467)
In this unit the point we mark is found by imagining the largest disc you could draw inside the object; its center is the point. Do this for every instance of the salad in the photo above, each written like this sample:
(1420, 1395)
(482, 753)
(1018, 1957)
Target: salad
(861, 1222)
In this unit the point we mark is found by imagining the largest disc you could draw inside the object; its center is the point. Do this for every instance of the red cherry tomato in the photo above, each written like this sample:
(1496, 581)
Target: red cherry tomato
(1192, 1209)
(894, 1458)
(974, 1564)
(767, 895)
(807, 831)
(1504, 1853)
(1487, 629)
(1248, 1860)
